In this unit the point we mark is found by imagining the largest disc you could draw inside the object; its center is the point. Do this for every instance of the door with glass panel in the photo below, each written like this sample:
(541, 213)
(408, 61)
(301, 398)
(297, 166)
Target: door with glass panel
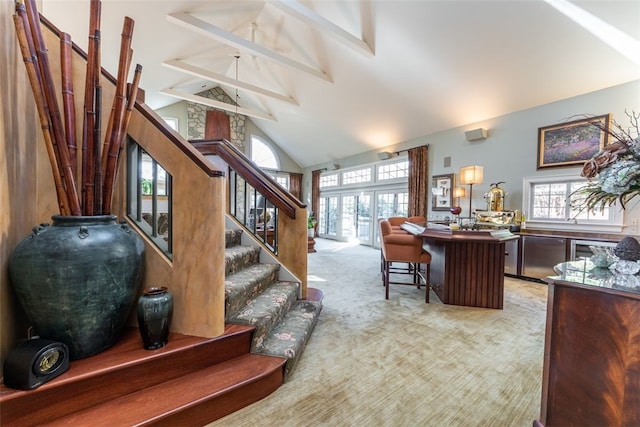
(328, 217)
(356, 220)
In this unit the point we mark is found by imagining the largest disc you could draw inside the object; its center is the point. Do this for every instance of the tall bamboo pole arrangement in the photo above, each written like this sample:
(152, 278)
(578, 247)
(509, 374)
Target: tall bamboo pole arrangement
(99, 162)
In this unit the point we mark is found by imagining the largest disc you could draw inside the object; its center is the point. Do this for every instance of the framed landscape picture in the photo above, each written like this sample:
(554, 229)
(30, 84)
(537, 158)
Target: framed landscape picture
(571, 143)
(442, 192)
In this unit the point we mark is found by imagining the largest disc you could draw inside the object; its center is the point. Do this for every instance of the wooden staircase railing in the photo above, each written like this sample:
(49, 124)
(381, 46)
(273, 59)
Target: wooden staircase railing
(286, 238)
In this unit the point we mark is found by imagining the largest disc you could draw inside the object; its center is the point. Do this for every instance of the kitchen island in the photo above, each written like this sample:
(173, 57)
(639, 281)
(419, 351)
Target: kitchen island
(467, 266)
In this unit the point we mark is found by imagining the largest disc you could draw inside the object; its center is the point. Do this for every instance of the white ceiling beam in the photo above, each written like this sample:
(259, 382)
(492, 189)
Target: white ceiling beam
(216, 104)
(309, 17)
(220, 78)
(216, 33)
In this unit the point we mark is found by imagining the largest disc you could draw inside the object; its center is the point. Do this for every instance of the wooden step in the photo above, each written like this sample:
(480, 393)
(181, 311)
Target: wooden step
(128, 368)
(194, 399)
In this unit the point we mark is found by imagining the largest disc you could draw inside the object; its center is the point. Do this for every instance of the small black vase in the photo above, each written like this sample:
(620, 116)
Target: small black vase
(155, 310)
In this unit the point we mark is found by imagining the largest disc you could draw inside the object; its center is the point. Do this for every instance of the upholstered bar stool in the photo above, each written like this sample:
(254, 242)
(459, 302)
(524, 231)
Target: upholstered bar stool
(403, 248)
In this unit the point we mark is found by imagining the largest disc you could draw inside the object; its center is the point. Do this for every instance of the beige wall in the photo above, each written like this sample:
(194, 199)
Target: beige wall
(18, 190)
(27, 198)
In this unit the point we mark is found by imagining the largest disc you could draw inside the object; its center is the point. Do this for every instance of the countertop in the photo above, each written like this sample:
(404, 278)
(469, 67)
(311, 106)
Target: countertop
(585, 273)
(574, 234)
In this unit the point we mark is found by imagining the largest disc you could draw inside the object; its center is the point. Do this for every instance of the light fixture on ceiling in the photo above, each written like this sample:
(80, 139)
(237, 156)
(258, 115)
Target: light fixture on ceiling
(237, 56)
(236, 119)
(470, 175)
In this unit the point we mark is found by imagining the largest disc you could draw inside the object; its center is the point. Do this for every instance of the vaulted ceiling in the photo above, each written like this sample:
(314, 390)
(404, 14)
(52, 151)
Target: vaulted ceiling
(329, 79)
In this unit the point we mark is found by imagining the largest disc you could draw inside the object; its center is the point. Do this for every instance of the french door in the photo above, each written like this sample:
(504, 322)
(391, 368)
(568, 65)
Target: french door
(354, 215)
(356, 218)
(328, 216)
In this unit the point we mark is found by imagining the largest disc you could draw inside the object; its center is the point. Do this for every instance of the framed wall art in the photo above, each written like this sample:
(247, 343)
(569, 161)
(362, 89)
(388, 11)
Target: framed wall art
(442, 192)
(572, 143)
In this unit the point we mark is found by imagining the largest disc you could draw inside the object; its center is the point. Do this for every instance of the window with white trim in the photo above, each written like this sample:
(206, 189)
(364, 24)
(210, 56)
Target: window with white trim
(393, 170)
(262, 154)
(551, 202)
(280, 178)
(329, 180)
(357, 176)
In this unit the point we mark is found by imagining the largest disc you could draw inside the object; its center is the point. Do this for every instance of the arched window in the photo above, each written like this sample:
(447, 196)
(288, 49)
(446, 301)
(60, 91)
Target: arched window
(263, 155)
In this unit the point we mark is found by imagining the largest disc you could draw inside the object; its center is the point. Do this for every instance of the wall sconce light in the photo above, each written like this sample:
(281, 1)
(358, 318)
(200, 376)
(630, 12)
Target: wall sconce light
(471, 175)
(476, 134)
(386, 155)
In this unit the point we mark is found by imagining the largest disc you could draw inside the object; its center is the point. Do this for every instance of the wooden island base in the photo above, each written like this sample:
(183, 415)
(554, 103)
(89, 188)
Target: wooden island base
(467, 267)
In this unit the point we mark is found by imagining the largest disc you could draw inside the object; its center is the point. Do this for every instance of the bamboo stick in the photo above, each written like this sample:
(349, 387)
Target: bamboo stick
(107, 140)
(54, 112)
(22, 12)
(97, 129)
(131, 102)
(131, 98)
(120, 107)
(36, 87)
(68, 99)
(90, 113)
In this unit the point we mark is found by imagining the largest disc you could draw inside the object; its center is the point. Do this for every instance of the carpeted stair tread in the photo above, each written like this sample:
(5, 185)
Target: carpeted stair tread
(246, 285)
(289, 337)
(267, 309)
(255, 297)
(232, 238)
(237, 258)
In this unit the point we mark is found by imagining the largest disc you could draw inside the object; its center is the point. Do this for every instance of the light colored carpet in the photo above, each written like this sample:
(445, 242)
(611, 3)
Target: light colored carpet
(401, 362)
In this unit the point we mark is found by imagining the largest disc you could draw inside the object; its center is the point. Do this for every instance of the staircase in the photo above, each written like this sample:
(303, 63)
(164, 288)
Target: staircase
(255, 297)
(192, 380)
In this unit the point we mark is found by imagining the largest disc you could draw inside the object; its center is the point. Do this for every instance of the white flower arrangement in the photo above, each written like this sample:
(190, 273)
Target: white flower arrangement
(613, 172)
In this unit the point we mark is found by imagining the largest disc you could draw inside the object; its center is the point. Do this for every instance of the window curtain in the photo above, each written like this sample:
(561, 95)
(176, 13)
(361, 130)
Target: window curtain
(315, 196)
(418, 181)
(295, 185)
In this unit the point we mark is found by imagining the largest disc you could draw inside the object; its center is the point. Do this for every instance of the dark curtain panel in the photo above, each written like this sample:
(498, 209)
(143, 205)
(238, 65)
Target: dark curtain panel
(418, 181)
(315, 196)
(295, 185)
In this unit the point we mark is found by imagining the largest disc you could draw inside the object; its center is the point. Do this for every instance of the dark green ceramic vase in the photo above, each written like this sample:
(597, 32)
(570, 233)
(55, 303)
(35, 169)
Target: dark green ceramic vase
(155, 312)
(77, 280)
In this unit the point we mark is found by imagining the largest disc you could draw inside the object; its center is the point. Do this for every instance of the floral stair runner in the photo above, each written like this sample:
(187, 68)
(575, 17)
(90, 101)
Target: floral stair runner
(255, 297)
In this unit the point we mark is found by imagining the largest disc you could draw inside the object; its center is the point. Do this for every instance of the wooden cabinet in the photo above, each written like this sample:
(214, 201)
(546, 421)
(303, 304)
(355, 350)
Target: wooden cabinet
(591, 373)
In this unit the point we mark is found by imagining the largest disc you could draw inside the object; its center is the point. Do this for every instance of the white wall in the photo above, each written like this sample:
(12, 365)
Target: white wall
(510, 151)
(177, 111)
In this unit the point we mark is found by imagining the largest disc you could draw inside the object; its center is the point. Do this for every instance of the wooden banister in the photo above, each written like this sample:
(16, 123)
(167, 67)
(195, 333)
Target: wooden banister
(255, 176)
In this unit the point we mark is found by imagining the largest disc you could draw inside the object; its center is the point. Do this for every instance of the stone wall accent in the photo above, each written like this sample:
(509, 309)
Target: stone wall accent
(197, 113)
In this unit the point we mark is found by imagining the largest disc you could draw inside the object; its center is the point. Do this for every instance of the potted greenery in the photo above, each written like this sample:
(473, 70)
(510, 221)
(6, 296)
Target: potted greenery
(311, 225)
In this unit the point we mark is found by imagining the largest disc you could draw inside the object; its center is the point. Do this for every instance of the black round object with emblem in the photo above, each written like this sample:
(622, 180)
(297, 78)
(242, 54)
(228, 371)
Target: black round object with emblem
(34, 362)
